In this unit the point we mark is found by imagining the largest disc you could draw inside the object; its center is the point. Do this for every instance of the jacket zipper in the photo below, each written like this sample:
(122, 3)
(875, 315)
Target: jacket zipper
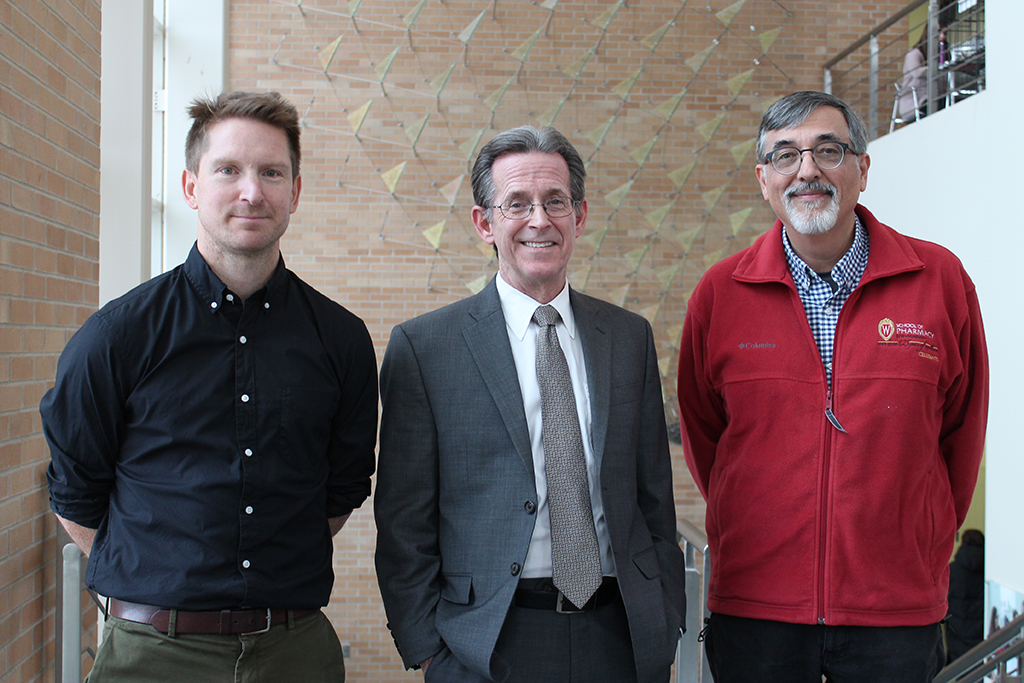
(823, 524)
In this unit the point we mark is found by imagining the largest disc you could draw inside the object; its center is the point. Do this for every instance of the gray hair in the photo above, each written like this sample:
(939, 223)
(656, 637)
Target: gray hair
(792, 110)
(523, 140)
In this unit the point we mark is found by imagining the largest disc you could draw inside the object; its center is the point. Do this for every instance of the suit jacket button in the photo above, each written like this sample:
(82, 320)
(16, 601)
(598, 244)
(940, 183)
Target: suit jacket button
(530, 507)
(515, 569)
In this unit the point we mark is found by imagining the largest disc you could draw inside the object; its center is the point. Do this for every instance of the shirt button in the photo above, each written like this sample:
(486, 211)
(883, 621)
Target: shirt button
(248, 452)
(266, 305)
(230, 297)
(514, 569)
(530, 507)
(213, 304)
(248, 510)
(828, 309)
(245, 398)
(245, 564)
(242, 339)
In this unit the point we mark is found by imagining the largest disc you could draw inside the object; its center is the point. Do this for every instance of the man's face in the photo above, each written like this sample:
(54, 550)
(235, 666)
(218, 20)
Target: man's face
(812, 201)
(243, 189)
(534, 252)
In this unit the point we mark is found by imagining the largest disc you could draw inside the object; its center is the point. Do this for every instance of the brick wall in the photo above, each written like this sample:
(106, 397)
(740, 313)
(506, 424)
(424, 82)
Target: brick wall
(671, 190)
(655, 222)
(49, 250)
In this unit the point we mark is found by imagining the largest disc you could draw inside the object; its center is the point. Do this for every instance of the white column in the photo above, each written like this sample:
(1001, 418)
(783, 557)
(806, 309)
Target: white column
(126, 115)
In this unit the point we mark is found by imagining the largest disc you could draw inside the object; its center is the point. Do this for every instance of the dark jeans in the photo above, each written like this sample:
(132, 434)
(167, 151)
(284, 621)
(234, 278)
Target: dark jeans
(758, 651)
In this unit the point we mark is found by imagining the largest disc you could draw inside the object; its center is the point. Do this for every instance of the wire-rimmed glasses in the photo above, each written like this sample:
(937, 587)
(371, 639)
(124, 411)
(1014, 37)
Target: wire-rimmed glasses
(518, 209)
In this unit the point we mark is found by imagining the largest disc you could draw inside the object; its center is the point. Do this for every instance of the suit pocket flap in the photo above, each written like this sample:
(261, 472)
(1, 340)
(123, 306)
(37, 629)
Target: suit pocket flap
(457, 588)
(647, 562)
(629, 393)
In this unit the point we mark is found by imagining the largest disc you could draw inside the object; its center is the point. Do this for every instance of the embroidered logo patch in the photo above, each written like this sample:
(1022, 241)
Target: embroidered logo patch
(908, 335)
(886, 328)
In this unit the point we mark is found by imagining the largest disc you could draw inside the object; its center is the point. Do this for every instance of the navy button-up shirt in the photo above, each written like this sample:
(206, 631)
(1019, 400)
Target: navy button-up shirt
(209, 442)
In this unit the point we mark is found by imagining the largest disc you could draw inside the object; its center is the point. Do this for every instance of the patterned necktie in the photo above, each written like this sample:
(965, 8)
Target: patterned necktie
(575, 560)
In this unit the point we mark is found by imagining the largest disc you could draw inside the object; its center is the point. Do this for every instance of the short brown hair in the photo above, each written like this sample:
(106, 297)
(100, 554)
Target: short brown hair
(269, 108)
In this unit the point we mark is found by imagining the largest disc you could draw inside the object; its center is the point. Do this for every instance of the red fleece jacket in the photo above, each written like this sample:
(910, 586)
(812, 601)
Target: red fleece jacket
(808, 524)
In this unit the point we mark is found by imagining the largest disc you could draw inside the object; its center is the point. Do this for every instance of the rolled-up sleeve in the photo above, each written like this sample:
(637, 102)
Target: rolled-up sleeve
(83, 423)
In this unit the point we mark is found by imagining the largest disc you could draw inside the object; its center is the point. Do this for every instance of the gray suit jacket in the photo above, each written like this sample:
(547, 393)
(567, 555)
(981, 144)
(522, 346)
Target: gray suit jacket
(455, 495)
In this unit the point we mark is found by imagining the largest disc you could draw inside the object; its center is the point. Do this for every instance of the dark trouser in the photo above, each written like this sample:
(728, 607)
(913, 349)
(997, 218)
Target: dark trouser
(759, 651)
(543, 646)
(307, 652)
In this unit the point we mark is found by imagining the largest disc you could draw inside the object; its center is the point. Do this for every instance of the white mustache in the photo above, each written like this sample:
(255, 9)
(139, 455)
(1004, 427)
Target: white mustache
(812, 186)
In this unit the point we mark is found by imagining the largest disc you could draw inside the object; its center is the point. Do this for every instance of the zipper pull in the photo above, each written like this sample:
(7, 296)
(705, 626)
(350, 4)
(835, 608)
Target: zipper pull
(830, 415)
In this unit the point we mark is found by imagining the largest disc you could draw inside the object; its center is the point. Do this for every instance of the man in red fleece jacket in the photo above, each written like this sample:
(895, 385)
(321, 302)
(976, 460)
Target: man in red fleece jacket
(833, 389)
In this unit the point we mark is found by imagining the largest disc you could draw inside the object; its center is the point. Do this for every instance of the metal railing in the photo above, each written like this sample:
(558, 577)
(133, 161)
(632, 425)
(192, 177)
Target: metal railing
(691, 665)
(869, 74)
(68, 615)
(989, 659)
(68, 649)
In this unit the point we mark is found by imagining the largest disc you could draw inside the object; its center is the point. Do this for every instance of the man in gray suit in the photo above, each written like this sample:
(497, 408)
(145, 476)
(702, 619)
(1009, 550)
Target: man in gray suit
(526, 526)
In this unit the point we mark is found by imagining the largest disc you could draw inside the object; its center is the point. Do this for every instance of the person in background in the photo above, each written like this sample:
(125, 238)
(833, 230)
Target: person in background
(914, 89)
(833, 389)
(211, 430)
(966, 595)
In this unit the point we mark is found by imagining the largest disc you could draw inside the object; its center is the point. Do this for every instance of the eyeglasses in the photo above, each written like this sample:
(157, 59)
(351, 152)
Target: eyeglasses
(517, 209)
(827, 155)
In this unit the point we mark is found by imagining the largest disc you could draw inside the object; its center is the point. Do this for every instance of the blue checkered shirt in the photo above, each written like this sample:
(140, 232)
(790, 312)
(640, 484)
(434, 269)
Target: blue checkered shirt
(820, 303)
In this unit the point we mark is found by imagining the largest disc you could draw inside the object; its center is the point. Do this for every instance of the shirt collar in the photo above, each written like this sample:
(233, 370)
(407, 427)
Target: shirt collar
(846, 273)
(519, 308)
(213, 291)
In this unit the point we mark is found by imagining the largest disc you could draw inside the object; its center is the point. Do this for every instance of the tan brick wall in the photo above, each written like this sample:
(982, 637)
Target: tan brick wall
(364, 245)
(49, 251)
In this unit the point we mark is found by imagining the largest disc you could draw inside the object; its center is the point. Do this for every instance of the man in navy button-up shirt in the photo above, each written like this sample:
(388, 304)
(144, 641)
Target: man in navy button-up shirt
(212, 429)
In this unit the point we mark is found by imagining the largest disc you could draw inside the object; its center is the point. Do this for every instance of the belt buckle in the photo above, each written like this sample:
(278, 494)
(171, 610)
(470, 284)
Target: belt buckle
(262, 630)
(560, 605)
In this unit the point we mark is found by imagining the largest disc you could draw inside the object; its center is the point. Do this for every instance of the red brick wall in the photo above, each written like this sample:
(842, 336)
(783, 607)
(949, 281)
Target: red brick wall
(49, 251)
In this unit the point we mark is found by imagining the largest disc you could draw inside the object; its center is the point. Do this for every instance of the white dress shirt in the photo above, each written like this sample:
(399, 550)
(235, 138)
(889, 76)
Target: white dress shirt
(518, 309)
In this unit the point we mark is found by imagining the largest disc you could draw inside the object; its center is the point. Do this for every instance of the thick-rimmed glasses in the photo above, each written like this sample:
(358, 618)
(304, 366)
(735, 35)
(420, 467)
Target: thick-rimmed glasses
(827, 155)
(517, 209)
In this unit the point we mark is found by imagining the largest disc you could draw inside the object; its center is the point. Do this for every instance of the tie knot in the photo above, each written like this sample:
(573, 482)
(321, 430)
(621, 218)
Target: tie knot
(546, 315)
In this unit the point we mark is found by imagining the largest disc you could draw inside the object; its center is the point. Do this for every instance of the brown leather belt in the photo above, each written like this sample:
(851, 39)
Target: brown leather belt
(225, 622)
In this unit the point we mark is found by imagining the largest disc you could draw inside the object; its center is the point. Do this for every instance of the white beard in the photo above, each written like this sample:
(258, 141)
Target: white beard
(813, 221)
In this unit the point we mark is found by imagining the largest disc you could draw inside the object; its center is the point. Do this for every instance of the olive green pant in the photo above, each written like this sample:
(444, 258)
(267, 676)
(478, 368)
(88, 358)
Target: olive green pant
(306, 650)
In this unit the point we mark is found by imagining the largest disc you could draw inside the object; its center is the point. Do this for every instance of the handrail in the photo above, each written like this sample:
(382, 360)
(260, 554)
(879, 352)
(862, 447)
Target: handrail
(70, 627)
(984, 658)
(874, 32)
(694, 536)
(691, 665)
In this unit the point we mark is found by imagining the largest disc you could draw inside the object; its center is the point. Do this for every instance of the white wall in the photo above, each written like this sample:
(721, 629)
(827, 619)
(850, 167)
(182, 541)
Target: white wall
(957, 178)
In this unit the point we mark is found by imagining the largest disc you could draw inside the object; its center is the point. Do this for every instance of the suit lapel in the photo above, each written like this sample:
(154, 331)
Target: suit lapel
(488, 343)
(597, 353)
